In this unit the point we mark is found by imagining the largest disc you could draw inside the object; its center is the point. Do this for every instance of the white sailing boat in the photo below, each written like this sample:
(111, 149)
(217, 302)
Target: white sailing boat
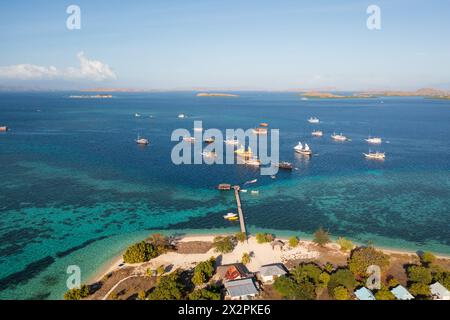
(375, 155)
(339, 137)
(141, 141)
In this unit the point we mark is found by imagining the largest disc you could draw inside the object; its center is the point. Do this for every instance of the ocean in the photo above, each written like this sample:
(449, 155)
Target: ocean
(76, 190)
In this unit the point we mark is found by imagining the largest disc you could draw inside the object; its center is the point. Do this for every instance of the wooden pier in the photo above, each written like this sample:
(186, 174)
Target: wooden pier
(239, 207)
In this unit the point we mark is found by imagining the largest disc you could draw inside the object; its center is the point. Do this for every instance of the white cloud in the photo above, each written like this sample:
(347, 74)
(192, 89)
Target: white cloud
(88, 70)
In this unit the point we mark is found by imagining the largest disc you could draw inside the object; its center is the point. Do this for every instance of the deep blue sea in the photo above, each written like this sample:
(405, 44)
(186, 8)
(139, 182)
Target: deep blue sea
(76, 190)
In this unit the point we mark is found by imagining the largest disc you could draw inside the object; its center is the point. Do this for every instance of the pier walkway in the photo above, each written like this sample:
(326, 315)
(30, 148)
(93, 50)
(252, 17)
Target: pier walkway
(240, 212)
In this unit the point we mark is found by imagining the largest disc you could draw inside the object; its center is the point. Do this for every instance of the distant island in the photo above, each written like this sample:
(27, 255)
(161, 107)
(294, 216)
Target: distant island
(203, 94)
(425, 92)
(329, 95)
(97, 96)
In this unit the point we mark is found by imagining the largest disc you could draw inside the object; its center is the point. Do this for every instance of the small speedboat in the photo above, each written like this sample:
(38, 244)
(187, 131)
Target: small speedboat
(243, 190)
(263, 124)
(231, 216)
(285, 165)
(231, 142)
(137, 115)
(317, 133)
(255, 192)
(251, 181)
(181, 116)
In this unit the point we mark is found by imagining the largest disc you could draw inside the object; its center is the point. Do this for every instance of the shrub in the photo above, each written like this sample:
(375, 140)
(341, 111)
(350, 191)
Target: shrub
(419, 274)
(77, 293)
(341, 293)
(246, 259)
(293, 242)
(324, 278)
(142, 295)
(384, 294)
(328, 267)
(346, 245)
(392, 283)
(223, 244)
(241, 237)
(362, 258)
(264, 237)
(321, 237)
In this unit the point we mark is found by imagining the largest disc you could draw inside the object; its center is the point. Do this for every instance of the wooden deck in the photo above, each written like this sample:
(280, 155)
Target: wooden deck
(240, 212)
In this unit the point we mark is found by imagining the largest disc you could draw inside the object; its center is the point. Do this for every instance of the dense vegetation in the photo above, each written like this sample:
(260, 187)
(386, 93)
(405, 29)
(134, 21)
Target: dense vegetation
(363, 257)
(203, 271)
(169, 287)
(145, 250)
(77, 293)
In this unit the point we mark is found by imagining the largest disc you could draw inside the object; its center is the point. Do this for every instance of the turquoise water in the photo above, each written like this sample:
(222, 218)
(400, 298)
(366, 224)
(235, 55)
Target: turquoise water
(75, 189)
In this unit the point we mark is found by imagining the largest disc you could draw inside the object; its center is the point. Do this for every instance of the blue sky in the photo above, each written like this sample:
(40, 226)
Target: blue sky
(234, 44)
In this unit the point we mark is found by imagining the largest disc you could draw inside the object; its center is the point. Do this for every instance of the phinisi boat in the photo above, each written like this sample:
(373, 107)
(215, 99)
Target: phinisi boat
(141, 141)
(375, 155)
(244, 153)
(317, 133)
(285, 165)
(339, 137)
(374, 140)
(306, 150)
(314, 120)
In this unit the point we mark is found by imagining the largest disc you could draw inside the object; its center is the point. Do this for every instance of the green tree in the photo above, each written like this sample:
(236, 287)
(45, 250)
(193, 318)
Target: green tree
(306, 272)
(290, 289)
(160, 270)
(427, 258)
(241, 237)
(341, 293)
(362, 258)
(345, 244)
(384, 294)
(342, 277)
(419, 274)
(208, 293)
(223, 244)
(246, 259)
(293, 242)
(321, 237)
(420, 290)
(203, 271)
(324, 278)
(140, 252)
(169, 288)
(77, 293)
(142, 295)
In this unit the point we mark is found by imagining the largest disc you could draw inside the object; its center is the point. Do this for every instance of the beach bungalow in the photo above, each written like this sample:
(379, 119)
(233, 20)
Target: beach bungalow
(401, 293)
(439, 292)
(242, 289)
(235, 271)
(364, 294)
(269, 273)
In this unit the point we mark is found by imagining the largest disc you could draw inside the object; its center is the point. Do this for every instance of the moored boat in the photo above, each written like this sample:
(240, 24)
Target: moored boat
(317, 133)
(189, 139)
(253, 162)
(231, 216)
(285, 165)
(141, 141)
(260, 130)
(305, 150)
(339, 137)
(181, 116)
(314, 120)
(264, 124)
(231, 142)
(3, 128)
(375, 155)
(374, 140)
(209, 140)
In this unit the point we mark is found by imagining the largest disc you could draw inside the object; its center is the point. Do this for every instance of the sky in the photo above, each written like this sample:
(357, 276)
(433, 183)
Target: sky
(233, 44)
